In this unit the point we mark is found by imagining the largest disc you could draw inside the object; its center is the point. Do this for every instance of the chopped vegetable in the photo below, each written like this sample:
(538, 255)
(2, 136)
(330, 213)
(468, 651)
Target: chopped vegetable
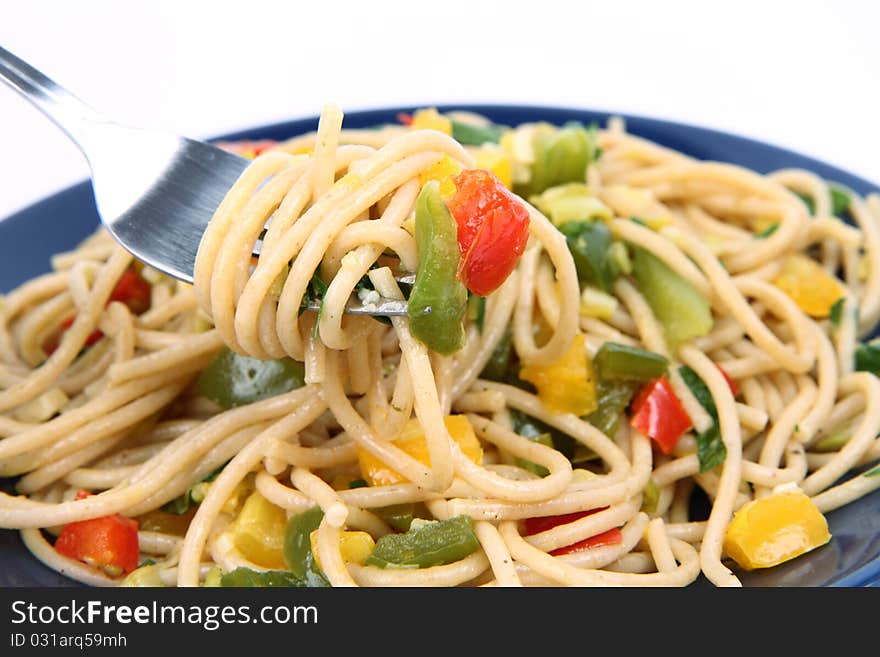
(543, 523)
(399, 516)
(355, 546)
(568, 385)
(298, 555)
(51, 344)
(680, 308)
(133, 291)
(561, 155)
(596, 303)
(502, 362)
(534, 429)
(233, 380)
(258, 532)
(770, 530)
(412, 441)
(619, 362)
(612, 398)
(711, 451)
(430, 119)
(472, 134)
(442, 172)
(590, 246)
(167, 523)
(493, 229)
(658, 413)
(571, 202)
(837, 438)
(247, 578)
(438, 299)
(109, 542)
(430, 543)
(812, 288)
(835, 314)
(868, 357)
(494, 159)
(840, 201)
(650, 497)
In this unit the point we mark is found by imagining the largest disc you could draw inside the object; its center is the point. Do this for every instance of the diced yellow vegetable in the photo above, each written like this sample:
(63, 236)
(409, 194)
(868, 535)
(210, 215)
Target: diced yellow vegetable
(258, 532)
(442, 172)
(412, 441)
(431, 119)
(596, 303)
(238, 496)
(494, 159)
(770, 530)
(812, 288)
(568, 385)
(213, 578)
(355, 546)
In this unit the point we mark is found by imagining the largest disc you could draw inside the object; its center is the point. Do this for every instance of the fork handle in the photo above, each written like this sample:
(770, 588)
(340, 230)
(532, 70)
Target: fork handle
(67, 111)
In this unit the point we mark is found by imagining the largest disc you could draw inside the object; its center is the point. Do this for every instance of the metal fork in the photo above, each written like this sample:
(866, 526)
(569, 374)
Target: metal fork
(155, 191)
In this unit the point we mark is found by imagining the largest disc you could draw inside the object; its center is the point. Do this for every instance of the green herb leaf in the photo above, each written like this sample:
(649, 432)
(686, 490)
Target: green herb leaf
(873, 473)
(840, 201)
(711, 451)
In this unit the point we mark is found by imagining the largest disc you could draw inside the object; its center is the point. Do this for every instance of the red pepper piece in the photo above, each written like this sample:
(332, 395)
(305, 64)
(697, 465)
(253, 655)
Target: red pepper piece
(109, 542)
(493, 228)
(658, 413)
(543, 523)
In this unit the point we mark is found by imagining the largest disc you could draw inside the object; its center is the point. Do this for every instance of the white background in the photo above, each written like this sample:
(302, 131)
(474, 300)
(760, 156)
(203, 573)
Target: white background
(805, 75)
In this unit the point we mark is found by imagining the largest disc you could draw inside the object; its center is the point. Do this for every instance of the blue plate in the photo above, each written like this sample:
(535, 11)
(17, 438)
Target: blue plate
(29, 238)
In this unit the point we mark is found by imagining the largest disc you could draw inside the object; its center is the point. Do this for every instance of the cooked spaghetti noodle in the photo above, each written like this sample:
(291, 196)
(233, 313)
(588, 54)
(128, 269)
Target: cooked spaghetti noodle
(127, 421)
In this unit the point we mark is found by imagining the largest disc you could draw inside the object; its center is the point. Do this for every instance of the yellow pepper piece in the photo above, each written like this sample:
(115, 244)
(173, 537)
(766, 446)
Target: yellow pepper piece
(767, 531)
(494, 159)
(355, 546)
(258, 532)
(412, 441)
(431, 119)
(442, 172)
(812, 288)
(568, 385)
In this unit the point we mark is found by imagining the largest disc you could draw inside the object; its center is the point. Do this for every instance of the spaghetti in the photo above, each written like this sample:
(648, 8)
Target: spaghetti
(102, 396)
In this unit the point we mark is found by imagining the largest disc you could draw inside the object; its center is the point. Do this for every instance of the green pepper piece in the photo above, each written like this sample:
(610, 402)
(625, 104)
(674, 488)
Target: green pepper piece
(432, 543)
(247, 578)
(561, 156)
(678, 305)
(438, 301)
(499, 364)
(399, 516)
(298, 547)
(612, 398)
(590, 246)
(620, 362)
(650, 497)
(232, 380)
(469, 134)
(868, 357)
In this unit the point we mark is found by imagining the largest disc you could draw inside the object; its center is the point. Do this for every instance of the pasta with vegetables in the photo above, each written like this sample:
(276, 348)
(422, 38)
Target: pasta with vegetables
(618, 365)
